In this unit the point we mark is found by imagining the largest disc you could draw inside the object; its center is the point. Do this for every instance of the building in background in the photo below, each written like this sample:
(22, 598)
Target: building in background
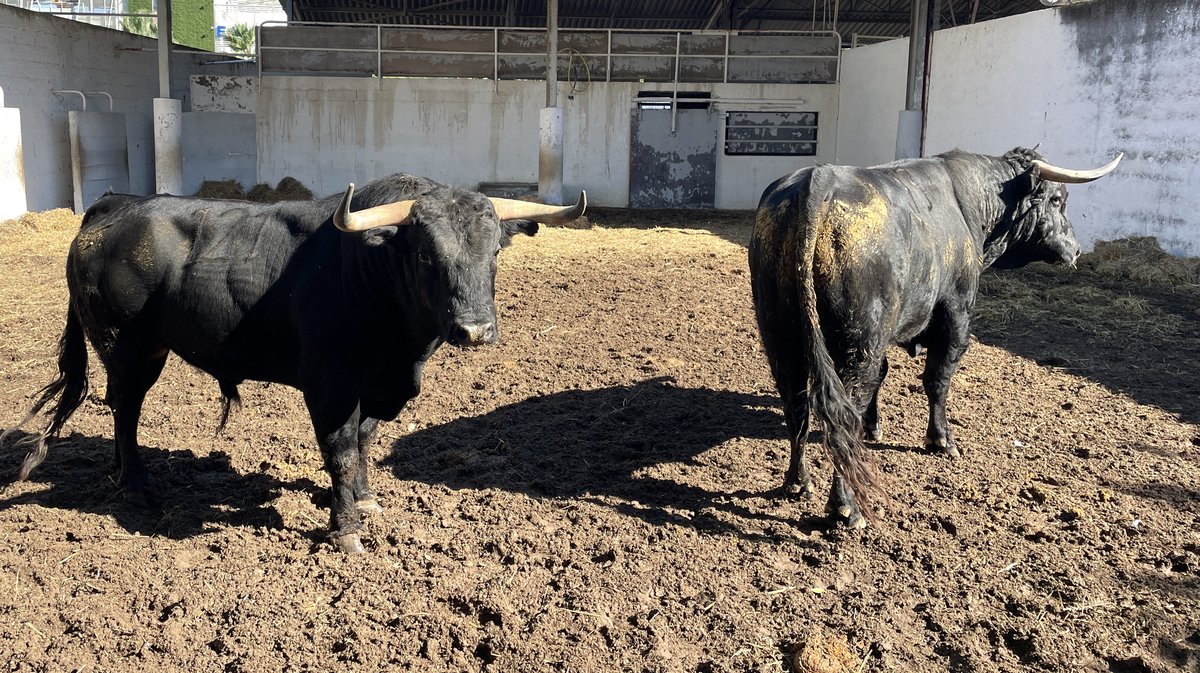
(228, 15)
(208, 25)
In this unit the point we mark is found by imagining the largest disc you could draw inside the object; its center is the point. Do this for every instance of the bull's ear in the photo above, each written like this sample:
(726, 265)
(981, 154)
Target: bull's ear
(379, 235)
(514, 227)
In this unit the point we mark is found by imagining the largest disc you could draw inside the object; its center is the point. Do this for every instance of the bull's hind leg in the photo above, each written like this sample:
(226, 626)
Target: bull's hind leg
(797, 481)
(862, 374)
(947, 339)
(130, 377)
(871, 417)
(364, 497)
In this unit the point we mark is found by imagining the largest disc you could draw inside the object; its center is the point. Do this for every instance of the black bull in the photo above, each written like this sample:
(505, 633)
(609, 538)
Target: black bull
(847, 261)
(345, 306)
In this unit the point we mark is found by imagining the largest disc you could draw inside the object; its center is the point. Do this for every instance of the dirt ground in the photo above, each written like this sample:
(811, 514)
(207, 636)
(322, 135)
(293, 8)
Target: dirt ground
(596, 492)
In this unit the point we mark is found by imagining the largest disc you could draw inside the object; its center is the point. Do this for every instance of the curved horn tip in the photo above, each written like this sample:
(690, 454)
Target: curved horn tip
(342, 218)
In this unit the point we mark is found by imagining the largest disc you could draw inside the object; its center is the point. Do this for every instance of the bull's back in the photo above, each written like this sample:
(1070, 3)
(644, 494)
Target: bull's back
(196, 277)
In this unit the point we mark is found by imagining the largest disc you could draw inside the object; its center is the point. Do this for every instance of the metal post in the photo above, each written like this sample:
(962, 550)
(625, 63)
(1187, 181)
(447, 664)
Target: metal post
(910, 126)
(916, 54)
(552, 53)
(675, 90)
(164, 48)
(550, 120)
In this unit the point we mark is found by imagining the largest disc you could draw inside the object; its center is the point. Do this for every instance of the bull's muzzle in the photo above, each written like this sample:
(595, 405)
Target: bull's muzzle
(473, 334)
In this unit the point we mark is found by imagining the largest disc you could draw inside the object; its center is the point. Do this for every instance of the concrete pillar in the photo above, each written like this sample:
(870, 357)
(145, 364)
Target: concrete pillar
(12, 169)
(550, 155)
(908, 134)
(168, 146)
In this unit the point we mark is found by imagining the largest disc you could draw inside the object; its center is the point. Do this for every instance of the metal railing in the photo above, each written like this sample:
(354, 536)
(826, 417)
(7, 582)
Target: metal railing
(385, 50)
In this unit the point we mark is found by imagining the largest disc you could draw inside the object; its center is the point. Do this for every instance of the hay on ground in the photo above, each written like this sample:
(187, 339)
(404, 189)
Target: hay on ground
(1141, 259)
(221, 189)
(288, 189)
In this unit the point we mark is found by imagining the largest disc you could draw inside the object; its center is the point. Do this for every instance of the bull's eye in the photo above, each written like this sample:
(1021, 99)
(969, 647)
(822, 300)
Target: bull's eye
(1056, 201)
(423, 258)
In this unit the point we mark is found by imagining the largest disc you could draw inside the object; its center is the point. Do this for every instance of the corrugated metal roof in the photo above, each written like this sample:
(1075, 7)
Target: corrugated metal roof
(882, 18)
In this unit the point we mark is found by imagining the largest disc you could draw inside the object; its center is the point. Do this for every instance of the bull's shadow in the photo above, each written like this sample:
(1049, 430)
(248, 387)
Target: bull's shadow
(597, 444)
(197, 494)
(1133, 338)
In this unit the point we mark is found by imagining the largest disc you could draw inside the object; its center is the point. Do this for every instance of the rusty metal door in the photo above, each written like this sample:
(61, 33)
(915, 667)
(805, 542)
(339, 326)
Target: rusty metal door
(673, 169)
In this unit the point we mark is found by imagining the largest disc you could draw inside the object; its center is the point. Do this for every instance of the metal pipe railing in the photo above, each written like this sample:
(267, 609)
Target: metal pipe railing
(608, 54)
(73, 92)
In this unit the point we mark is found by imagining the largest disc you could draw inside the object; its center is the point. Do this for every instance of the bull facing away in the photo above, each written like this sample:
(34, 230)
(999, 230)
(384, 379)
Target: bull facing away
(345, 306)
(846, 261)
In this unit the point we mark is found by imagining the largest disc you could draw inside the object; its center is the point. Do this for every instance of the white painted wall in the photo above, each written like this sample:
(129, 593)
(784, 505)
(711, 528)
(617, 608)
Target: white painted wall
(871, 98)
(326, 131)
(1086, 82)
(41, 53)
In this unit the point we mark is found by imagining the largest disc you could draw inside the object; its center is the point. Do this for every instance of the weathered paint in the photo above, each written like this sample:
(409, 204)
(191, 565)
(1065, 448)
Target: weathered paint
(673, 169)
(550, 155)
(1105, 77)
(216, 93)
(168, 146)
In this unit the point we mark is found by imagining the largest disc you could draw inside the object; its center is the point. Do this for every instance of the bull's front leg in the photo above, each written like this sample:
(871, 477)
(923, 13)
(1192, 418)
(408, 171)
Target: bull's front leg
(945, 352)
(364, 497)
(336, 423)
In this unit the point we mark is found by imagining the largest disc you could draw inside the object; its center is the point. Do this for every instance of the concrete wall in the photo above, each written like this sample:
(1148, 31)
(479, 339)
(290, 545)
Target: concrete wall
(871, 98)
(42, 53)
(1086, 82)
(218, 146)
(326, 131)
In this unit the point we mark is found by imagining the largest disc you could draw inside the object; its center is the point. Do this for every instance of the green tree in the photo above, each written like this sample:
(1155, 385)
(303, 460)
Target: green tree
(140, 25)
(240, 38)
(192, 21)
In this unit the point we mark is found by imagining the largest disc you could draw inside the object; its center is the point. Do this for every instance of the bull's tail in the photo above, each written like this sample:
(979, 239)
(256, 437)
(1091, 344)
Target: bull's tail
(829, 399)
(65, 393)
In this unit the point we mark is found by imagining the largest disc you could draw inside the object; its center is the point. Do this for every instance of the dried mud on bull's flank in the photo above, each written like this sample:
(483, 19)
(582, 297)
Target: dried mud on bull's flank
(595, 493)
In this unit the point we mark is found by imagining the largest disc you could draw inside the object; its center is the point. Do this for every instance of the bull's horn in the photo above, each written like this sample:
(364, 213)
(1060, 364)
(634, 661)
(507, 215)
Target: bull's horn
(390, 214)
(515, 209)
(1056, 174)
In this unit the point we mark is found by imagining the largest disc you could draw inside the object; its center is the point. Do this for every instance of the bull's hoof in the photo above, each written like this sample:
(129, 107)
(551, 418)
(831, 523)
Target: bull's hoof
(348, 543)
(873, 434)
(798, 491)
(368, 506)
(944, 446)
(852, 517)
(142, 498)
